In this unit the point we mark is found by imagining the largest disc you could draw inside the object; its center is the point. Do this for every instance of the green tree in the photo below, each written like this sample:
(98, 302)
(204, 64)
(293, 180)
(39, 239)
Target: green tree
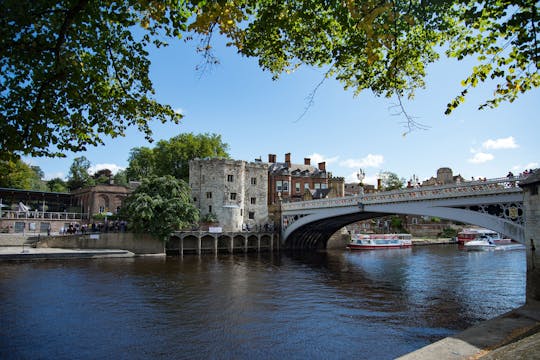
(78, 174)
(17, 174)
(57, 185)
(390, 181)
(102, 176)
(159, 206)
(74, 71)
(171, 157)
(120, 178)
(141, 163)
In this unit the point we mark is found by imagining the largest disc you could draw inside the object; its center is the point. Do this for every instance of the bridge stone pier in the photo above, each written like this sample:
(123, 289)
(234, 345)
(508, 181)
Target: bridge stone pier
(510, 206)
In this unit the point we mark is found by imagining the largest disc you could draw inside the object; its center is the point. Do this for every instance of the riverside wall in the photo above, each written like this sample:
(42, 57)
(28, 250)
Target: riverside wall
(135, 243)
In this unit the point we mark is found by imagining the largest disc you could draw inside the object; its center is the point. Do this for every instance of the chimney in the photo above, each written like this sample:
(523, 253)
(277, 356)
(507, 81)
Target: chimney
(322, 166)
(379, 184)
(271, 158)
(288, 159)
(307, 161)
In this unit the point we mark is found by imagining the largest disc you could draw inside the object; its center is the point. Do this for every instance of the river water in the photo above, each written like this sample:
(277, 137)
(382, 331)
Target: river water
(364, 305)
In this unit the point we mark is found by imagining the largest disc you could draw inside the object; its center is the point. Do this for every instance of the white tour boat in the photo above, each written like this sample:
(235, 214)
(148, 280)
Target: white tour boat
(379, 241)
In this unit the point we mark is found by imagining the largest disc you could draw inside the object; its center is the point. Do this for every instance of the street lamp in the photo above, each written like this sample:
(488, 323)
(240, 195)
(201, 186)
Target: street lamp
(361, 175)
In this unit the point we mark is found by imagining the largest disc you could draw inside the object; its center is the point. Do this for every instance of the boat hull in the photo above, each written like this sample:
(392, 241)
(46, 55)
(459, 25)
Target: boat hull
(377, 247)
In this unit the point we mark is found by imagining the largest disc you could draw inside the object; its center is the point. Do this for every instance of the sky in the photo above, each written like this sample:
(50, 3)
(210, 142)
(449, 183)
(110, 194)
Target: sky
(257, 116)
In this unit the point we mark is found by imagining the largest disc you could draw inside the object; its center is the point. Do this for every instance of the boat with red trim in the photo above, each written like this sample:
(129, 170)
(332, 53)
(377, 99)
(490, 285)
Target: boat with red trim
(476, 234)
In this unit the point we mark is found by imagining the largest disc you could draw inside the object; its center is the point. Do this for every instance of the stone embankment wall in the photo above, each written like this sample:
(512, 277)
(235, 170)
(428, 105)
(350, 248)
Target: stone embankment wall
(136, 243)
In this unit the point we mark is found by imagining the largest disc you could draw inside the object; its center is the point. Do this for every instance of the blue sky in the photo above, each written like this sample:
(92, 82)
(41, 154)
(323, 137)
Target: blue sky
(257, 116)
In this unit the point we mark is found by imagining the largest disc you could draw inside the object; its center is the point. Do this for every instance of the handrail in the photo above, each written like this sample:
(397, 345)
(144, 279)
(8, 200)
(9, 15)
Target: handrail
(478, 187)
(41, 215)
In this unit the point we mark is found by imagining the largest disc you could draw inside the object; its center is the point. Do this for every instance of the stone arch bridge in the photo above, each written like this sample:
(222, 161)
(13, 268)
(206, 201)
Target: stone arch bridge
(495, 204)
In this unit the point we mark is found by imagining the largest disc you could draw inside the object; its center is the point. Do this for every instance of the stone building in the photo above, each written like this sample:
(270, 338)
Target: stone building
(235, 191)
(100, 199)
(531, 205)
(444, 176)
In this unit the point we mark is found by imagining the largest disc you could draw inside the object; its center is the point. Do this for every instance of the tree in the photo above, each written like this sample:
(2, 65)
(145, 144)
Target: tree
(102, 176)
(17, 174)
(159, 206)
(390, 181)
(57, 185)
(141, 163)
(73, 71)
(171, 157)
(120, 178)
(78, 174)
(385, 46)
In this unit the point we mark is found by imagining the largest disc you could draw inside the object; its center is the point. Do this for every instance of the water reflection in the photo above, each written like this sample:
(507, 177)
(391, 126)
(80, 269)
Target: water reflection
(300, 305)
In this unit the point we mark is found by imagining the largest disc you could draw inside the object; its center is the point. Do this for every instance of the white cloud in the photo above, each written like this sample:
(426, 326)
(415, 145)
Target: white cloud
(351, 178)
(480, 157)
(318, 158)
(179, 111)
(60, 175)
(520, 168)
(113, 167)
(504, 143)
(370, 160)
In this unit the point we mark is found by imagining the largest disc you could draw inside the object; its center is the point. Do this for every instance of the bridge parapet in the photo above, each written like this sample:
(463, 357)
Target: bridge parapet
(458, 190)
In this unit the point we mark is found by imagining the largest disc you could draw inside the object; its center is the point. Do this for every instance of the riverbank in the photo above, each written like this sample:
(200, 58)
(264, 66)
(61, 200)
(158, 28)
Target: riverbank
(24, 253)
(432, 241)
(514, 335)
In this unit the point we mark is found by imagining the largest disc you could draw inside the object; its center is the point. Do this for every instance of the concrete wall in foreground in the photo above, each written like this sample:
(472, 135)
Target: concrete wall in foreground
(136, 243)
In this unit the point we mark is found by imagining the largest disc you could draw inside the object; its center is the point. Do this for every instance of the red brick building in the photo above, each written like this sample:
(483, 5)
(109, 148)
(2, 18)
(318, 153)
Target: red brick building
(289, 182)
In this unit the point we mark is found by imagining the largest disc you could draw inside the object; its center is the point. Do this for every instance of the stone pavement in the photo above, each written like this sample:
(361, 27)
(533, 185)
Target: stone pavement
(514, 335)
(26, 252)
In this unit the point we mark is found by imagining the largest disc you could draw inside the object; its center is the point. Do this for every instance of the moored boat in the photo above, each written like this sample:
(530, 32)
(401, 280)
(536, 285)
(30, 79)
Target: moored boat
(379, 241)
(472, 234)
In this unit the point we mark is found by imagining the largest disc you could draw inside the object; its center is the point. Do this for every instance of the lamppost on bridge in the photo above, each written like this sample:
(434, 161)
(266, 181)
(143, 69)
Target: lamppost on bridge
(414, 180)
(361, 175)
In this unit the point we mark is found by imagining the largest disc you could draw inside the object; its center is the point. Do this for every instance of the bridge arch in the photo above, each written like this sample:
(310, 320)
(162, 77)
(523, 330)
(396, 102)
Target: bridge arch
(309, 225)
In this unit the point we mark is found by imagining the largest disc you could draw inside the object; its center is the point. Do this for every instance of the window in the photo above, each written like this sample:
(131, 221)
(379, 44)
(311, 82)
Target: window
(306, 186)
(233, 196)
(285, 186)
(195, 199)
(297, 187)
(251, 215)
(324, 186)
(209, 208)
(253, 181)
(209, 195)
(279, 185)
(230, 178)
(253, 201)
(317, 186)
(534, 190)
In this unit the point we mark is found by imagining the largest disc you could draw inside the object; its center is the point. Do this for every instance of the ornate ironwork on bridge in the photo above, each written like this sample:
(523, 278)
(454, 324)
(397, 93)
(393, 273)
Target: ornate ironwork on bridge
(495, 203)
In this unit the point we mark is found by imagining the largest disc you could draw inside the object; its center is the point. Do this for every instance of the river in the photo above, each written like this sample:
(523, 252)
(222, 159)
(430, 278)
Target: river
(333, 305)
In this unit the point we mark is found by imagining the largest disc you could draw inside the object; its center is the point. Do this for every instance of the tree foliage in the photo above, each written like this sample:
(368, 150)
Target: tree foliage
(78, 176)
(171, 157)
(391, 181)
(17, 174)
(385, 46)
(159, 206)
(74, 71)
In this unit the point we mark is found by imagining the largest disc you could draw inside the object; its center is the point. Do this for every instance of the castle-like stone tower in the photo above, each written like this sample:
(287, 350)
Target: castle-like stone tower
(235, 191)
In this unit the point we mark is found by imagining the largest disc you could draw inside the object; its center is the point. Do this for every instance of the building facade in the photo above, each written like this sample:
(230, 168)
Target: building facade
(233, 191)
(289, 182)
